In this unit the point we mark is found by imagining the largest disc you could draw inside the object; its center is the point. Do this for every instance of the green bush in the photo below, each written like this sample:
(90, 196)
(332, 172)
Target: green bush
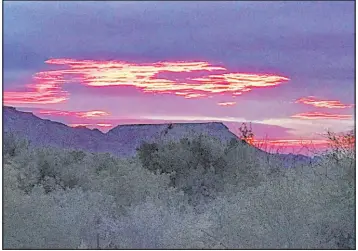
(198, 192)
(202, 166)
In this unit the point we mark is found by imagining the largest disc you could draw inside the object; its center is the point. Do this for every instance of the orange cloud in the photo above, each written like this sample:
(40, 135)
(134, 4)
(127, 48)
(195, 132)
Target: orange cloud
(226, 103)
(311, 100)
(87, 114)
(320, 115)
(48, 84)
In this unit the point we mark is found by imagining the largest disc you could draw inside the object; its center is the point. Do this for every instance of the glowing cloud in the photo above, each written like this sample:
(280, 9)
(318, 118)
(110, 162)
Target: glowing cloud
(87, 114)
(193, 118)
(92, 114)
(292, 142)
(38, 93)
(226, 103)
(320, 115)
(311, 100)
(237, 83)
(297, 146)
(48, 84)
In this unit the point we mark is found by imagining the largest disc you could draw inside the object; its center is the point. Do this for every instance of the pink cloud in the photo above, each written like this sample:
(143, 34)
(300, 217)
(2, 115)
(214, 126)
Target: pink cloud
(41, 92)
(86, 114)
(296, 146)
(323, 103)
(47, 86)
(320, 115)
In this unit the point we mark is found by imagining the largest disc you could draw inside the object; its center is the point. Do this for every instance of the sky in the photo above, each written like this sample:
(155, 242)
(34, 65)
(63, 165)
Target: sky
(286, 67)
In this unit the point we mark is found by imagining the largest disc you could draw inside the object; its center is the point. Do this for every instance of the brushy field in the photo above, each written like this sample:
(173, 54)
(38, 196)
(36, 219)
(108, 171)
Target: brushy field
(192, 194)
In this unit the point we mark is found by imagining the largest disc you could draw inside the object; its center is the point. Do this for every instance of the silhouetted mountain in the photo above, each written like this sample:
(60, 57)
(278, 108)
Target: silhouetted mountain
(43, 132)
(121, 140)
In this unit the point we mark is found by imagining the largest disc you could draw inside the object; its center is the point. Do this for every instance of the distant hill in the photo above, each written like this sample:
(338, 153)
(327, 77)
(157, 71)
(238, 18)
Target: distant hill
(121, 140)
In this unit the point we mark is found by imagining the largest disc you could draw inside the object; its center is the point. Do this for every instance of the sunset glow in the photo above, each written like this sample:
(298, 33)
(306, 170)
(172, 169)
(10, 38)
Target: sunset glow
(314, 101)
(101, 67)
(179, 124)
(291, 142)
(37, 94)
(87, 114)
(283, 146)
(239, 82)
(48, 84)
(320, 115)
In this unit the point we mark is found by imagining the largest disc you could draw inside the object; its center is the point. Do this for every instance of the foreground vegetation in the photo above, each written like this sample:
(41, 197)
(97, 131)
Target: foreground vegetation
(195, 193)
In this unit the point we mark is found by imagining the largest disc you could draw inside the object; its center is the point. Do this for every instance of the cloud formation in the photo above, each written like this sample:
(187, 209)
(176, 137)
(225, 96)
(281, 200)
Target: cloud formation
(48, 84)
(41, 92)
(285, 146)
(86, 114)
(322, 103)
(310, 42)
(90, 119)
(320, 115)
(291, 142)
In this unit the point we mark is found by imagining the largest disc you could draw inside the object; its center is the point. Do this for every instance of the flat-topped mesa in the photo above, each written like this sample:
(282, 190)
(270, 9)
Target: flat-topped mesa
(213, 125)
(136, 134)
(121, 140)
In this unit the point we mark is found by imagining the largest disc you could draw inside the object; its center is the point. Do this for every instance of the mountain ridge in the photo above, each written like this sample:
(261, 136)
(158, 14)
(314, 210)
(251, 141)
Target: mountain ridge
(121, 140)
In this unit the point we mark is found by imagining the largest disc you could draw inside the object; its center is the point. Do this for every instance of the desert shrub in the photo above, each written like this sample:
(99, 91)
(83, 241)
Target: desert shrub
(263, 217)
(341, 145)
(128, 182)
(290, 212)
(52, 213)
(56, 169)
(246, 134)
(202, 166)
(13, 146)
(158, 223)
(147, 155)
(242, 169)
(57, 220)
(198, 192)
(337, 183)
(47, 167)
(115, 201)
(309, 205)
(178, 156)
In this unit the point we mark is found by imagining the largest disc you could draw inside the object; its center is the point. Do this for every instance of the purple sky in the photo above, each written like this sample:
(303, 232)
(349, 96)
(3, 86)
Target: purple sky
(308, 47)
